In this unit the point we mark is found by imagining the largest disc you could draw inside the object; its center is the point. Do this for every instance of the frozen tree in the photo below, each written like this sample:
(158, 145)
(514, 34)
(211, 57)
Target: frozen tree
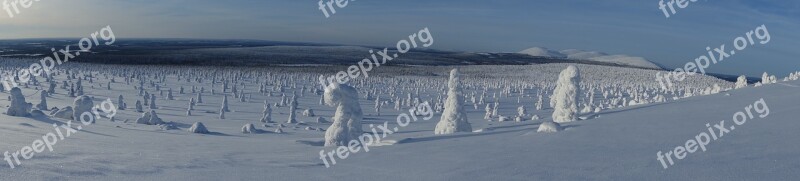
(347, 117)
(146, 98)
(565, 96)
(488, 115)
(292, 110)
(521, 111)
(82, 104)
(539, 103)
(43, 104)
(222, 113)
(139, 106)
(267, 117)
(169, 94)
(225, 104)
(454, 118)
(18, 107)
(741, 82)
(153, 102)
(191, 104)
(496, 108)
(121, 103)
(765, 79)
(378, 105)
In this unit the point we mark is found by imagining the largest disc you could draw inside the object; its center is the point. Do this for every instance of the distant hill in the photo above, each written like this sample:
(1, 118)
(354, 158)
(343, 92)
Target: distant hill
(262, 53)
(573, 54)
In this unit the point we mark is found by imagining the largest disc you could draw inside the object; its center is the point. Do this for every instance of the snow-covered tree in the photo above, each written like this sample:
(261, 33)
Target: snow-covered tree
(566, 94)
(225, 104)
(18, 107)
(267, 117)
(741, 82)
(153, 102)
(765, 79)
(222, 113)
(121, 103)
(539, 102)
(43, 104)
(139, 106)
(488, 115)
(454, 118)
(82, 104)
(347, 118)
(378, 105)
(292, 110)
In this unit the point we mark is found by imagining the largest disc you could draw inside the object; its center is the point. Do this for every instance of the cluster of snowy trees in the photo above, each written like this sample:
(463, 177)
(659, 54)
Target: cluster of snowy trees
(578, 89)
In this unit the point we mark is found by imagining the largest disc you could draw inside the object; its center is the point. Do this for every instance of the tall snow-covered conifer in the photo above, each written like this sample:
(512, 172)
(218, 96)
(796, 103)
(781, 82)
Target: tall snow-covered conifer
(454, 118)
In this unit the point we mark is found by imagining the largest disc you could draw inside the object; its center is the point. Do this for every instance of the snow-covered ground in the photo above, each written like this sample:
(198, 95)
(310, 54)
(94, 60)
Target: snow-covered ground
(636, 119)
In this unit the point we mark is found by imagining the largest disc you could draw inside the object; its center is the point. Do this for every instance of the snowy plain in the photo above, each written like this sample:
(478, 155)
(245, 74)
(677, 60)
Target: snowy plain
(617, 143)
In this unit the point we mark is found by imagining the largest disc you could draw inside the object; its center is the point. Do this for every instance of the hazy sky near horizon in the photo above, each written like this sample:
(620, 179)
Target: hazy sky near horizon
(632, 27)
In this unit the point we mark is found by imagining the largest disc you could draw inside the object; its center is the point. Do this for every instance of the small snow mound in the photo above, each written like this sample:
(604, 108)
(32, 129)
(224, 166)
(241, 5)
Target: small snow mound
(549, 127)
(199, 128)
(249, 128)
(483, 130)
(65, 113)
(542, 52)
(168, 126)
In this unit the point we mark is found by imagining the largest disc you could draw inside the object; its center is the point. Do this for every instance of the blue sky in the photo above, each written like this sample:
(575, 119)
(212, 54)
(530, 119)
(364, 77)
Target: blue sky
(633, 27)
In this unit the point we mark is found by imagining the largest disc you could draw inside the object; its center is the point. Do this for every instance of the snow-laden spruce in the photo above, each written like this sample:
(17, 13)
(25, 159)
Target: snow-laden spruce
(565, 96)
(292, 110)
(267, 113)
(81, 105)
(18, 107)
(454, 118)
(43, 103)
(347, 118)
(741, 82)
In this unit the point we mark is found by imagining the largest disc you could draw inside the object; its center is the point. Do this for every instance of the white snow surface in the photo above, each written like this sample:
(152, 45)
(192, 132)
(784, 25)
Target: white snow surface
(615, 144)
